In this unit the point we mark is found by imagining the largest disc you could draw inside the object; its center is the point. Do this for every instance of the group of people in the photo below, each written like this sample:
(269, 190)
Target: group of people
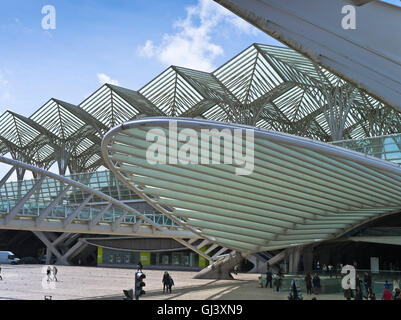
(326, 269)
(387, 294)
(167, 280)
(278, 277)
(312, 282)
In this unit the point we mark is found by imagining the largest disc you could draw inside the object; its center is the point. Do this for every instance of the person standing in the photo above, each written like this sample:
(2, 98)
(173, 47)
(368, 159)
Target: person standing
(277, 282)
(1, 278)
(139, 267)
(386, 285)
(170, 283)
(367, 281)
(316, 284)
(308, 283)
(55, 273)
(387, 295)
(269, 278)
(165, 281)
(324, 268)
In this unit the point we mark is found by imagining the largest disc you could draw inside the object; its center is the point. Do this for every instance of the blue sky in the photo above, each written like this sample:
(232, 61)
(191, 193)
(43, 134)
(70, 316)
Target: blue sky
(126, 42)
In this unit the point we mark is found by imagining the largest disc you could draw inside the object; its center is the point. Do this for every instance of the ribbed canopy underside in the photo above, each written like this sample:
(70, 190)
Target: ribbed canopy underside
(300, 191)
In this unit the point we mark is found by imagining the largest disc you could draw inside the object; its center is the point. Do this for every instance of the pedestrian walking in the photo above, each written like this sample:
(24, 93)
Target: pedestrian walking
(316, 284)
(308, 283)
(165, 281)
(55, 273)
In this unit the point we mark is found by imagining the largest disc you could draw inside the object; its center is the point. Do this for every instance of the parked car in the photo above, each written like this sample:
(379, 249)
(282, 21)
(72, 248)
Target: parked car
(7, 257)
(29, 260)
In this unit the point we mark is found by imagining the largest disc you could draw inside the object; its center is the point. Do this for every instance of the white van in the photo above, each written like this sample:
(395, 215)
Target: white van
(7, 257)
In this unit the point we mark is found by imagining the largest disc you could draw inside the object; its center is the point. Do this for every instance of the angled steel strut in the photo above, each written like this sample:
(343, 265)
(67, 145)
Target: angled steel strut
(368, 55)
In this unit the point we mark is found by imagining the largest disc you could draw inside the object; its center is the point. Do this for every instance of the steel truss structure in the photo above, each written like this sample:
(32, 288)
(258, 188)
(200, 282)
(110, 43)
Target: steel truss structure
(264, 86)
(52, 203)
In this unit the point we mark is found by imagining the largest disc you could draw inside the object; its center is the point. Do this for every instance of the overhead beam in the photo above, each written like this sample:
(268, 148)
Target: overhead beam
(370, 56)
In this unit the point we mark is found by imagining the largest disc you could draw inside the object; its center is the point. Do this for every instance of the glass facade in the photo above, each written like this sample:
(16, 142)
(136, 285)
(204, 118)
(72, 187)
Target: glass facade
(384, 147)
(103, 181)
(183, 258)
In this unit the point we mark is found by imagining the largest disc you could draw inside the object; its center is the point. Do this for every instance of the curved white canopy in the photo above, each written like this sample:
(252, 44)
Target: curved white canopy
(300, 191)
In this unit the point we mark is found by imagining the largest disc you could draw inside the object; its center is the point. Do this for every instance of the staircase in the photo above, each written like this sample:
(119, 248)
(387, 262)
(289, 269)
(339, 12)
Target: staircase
(207, 249)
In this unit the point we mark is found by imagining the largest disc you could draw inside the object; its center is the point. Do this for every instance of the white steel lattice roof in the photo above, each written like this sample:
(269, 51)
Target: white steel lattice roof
(264, 86)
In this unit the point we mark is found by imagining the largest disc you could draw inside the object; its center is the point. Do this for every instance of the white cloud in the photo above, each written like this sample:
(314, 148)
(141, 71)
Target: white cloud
(104, 78)
(192, 45)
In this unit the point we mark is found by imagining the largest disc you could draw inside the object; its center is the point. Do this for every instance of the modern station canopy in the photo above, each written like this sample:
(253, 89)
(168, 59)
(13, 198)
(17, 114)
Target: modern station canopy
(300, 191)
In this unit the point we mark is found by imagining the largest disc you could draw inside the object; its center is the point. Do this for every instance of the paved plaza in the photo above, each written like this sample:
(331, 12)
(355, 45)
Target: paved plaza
(28, 282)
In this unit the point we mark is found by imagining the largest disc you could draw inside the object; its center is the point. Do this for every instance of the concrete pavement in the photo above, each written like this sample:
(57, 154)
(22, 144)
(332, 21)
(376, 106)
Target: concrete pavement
(28, 282)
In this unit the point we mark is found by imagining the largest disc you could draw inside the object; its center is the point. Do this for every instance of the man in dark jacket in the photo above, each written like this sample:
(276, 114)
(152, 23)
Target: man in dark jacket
(316, 284)
(308, 283)
(367, 281)
(269, 278)
(166, 281)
